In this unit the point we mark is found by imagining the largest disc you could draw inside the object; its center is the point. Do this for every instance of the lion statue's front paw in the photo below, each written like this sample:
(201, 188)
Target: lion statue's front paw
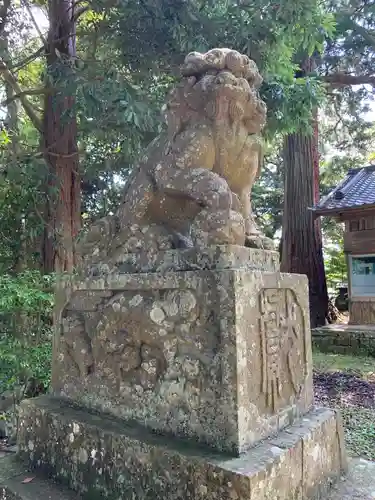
(259, 241)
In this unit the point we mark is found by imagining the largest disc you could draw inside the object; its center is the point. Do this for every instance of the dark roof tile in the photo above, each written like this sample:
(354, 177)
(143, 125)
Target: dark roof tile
(357, 189)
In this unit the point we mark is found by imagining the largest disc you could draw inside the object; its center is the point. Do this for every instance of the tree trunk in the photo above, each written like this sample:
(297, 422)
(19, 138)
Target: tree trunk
(11, 125)
(63, 211)
(302, 243)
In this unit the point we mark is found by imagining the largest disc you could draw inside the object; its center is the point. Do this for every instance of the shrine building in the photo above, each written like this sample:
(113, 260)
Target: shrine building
(352, 202)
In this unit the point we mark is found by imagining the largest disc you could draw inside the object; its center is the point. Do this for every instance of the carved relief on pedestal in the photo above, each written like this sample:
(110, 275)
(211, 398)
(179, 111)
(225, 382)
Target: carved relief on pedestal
(283, 350)
(126, 345)
(75, 348)
(124, 341)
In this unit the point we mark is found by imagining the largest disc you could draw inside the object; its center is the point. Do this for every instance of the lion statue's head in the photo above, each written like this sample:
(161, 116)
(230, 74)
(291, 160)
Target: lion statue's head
(219, 85)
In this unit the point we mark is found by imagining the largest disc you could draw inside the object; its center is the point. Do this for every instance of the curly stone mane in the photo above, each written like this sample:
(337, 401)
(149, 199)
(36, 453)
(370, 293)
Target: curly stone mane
(221, 84)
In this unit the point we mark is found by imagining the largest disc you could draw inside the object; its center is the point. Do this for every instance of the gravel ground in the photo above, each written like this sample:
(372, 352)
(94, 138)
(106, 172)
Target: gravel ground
(355, 397)
(343, 389)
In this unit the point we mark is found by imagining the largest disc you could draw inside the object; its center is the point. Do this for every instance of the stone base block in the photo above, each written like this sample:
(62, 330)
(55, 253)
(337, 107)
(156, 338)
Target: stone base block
(358, 340)
(104, 458)
(220, 357)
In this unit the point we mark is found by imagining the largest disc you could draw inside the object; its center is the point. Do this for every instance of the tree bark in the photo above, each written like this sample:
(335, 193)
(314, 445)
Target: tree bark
(11, 125)
(302, 243)
(302, 250)
(63, 211)
(338, 80)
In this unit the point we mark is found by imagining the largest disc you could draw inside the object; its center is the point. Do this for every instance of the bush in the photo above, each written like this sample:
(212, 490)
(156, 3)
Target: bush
(26, 304)
(24, 365)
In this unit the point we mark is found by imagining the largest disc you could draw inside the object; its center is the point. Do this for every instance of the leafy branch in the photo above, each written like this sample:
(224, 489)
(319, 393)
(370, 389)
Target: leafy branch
(10, 79)
(14, 97)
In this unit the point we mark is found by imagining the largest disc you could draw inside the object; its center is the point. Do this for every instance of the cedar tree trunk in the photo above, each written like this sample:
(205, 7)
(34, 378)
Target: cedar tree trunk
(63, 211)
(302, 242)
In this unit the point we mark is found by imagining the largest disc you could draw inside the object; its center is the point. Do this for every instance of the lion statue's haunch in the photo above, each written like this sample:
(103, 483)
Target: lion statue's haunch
(193, 186)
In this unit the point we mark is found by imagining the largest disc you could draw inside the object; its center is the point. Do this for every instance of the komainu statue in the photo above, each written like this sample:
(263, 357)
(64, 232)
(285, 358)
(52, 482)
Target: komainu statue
(192, 187)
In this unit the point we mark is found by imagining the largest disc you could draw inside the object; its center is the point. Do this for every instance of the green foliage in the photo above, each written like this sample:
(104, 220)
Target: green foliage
(154, 36)
(26, 302)
(25, 365)
(28, 292)
(335, 266)
(20, 225)
(22, 174)
(334, 256)
(352, 48)
(291, 104)
(267, 195)
(4, 138)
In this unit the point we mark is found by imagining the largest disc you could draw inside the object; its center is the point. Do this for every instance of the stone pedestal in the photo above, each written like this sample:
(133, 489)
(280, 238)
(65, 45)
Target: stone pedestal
(190, 380)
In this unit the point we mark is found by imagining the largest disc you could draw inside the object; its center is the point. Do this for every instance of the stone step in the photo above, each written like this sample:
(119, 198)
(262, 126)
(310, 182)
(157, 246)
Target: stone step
(359, 484)
(12, 475)
(104, 458)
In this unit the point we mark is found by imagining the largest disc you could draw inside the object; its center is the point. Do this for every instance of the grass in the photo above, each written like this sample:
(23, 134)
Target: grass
(362, 366)
(359, 426)
(358, 419)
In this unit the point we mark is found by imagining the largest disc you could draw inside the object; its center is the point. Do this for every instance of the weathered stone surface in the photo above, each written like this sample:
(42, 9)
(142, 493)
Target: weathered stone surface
(193, 186)
(358, 484)
(9, 401)
(102, 458)
(222, 357)
(215, 257)
(345, 339)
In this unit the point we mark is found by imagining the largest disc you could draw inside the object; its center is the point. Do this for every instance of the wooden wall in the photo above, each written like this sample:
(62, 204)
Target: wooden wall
(362, 311)
(359, 239)
(359, 236)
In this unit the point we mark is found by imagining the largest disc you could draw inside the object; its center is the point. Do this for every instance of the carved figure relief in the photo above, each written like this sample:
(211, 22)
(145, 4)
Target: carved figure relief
(76, 348)
(129, 339)
(281, 327)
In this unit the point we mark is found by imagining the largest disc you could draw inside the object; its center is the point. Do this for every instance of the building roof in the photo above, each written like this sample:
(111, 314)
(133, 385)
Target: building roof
(357, 190)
